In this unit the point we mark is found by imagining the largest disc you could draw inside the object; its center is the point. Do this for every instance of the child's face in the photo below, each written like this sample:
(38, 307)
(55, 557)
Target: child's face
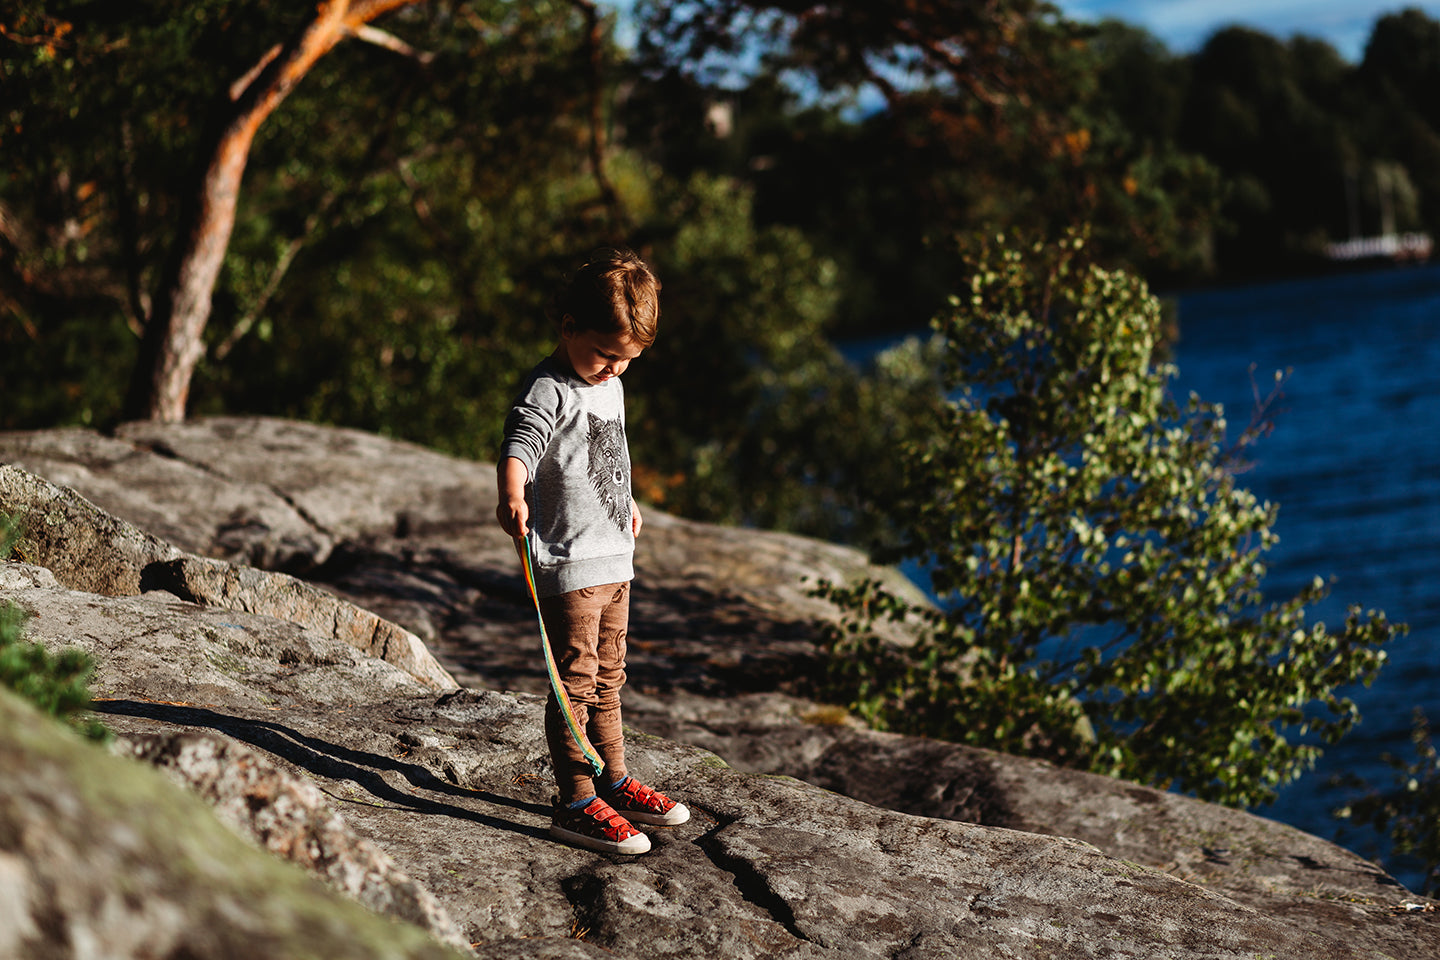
(596, 357)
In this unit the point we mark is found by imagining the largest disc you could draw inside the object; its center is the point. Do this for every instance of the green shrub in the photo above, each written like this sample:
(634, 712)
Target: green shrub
(1097, 567)
(56, 683)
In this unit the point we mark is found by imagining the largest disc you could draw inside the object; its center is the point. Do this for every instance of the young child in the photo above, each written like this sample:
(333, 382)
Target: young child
(564, 475)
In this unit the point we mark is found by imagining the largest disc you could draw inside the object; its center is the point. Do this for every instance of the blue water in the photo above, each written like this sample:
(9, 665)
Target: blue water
(1354, 463)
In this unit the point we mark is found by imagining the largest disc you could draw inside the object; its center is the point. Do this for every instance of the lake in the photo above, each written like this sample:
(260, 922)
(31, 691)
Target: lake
(1354, 463)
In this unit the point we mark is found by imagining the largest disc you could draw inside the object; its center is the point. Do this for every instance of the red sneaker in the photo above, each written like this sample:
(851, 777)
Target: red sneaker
(597, 827)
(644, 805)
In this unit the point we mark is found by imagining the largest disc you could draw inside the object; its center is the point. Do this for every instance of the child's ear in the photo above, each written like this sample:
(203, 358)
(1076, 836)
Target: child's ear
(567, 327)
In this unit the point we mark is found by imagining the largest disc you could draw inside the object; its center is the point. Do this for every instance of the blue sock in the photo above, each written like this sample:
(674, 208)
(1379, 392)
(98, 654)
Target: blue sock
(582, 804)
(618, 784)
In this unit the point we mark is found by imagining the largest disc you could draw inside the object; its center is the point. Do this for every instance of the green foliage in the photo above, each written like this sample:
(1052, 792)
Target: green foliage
(742, 411)
(1403, 56)
(403, 219)
(10, 535)
(1307, 147)
(1258, 110)
(102, 112)
(1397, 113)
(365, 244)
(1157, 207)
(821, 454)
(1409, 812)
(403, 226)
(949, 152)
(57, 684)
(1098, 568)
(399, 233)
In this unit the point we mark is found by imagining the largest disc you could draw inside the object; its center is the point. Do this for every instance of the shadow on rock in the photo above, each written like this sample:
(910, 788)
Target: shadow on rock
(333, 762)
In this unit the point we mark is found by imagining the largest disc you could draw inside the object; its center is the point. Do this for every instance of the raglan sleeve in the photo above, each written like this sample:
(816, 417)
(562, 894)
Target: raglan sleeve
(531, 422)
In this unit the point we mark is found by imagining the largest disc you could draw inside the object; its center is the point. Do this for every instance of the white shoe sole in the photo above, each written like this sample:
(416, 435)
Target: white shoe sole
(677, 815)
(630, 845)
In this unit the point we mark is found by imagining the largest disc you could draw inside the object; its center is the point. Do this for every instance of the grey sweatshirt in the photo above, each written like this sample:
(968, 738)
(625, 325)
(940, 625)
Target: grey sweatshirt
(571, 437)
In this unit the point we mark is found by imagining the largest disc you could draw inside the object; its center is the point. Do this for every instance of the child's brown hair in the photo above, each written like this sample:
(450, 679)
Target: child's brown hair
(613, 292)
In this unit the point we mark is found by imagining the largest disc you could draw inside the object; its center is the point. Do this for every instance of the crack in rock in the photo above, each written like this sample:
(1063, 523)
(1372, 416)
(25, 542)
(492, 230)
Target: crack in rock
(583, 892)
(749, 881)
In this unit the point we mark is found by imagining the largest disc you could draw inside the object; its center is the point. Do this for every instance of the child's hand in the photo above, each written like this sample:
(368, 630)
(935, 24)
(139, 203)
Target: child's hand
(513, 511)
(514, 517)
(635, 520)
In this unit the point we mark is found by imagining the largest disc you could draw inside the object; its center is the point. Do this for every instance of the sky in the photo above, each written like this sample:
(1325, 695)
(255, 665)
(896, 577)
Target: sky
(1184, 25)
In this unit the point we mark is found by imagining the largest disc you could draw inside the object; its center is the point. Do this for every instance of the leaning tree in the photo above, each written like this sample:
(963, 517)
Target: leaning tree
(173, 340)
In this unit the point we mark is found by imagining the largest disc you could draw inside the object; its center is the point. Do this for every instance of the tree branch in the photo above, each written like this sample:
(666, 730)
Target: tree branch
(238, 88)
(388, 41)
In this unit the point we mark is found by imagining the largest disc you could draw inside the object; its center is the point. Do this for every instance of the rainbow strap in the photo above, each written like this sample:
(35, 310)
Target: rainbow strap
(567, 711)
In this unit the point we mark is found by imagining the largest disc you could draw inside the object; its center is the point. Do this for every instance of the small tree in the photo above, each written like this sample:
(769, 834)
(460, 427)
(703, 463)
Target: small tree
(1097, 566)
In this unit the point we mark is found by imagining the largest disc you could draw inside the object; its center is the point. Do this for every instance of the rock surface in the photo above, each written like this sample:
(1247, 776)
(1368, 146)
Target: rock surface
(292, 819)
(101, 858)
(91, 550)
(444, 791)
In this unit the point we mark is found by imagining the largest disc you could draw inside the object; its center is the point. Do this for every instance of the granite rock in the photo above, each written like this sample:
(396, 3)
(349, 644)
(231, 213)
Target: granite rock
(884, 846)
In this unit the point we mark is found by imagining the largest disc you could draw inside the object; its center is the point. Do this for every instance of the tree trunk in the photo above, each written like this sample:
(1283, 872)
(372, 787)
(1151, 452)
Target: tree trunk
(174, 336)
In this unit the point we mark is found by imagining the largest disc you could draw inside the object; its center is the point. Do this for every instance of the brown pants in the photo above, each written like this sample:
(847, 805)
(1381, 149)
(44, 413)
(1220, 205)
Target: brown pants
(587, 636)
